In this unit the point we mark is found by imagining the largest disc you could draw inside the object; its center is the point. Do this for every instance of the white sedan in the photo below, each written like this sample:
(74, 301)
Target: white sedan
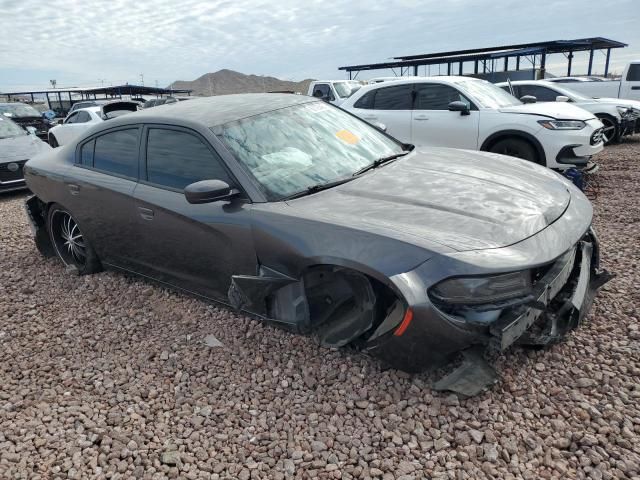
(82, 119)
(463, 112)
(619, 116)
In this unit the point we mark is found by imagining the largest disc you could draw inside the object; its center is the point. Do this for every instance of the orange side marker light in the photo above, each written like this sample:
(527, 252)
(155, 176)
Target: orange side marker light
(408, 316)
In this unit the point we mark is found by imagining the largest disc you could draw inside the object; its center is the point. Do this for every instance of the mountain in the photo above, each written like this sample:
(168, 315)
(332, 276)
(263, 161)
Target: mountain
(225, 81)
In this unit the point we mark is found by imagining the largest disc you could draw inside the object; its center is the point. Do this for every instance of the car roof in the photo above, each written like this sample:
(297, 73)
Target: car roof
(9, 104)
(217, 110)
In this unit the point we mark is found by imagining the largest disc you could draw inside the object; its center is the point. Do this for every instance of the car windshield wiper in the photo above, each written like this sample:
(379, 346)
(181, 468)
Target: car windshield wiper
(379, 162)
(318, 188)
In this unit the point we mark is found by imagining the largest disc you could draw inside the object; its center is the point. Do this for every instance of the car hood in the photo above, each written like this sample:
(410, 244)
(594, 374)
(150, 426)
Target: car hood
(459, 199)
(617, 101)
(21, 148)
(557, 110)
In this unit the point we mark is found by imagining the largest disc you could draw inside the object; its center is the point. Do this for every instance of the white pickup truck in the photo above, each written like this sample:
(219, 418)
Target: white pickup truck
(627, 87)
(333, 91)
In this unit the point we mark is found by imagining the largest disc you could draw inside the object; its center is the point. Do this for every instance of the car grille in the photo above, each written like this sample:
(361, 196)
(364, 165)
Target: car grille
(597, 136)
(7, 175)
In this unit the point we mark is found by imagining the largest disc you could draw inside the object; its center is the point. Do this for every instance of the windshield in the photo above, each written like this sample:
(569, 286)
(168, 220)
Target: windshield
(9, 129)
(346, 89)
(19, 110)
(294, 148)
(487, 95)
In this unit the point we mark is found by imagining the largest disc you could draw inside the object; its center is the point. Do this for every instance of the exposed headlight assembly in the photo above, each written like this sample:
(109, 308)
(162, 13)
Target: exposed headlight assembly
(563, 124)
(480, 300)
(494, 289)
(624, 111)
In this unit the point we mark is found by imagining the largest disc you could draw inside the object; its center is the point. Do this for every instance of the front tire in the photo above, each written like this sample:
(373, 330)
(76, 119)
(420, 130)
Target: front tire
(53, 141)
(69, 244)
(516, 147)
(611, 129)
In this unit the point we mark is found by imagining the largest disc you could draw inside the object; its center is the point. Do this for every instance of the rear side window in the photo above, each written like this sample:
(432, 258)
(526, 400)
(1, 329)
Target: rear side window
(432, 96)
(633, 75)
(117, 153)
(393, 98)
(366, 101)
(86, 153)
(176, 159)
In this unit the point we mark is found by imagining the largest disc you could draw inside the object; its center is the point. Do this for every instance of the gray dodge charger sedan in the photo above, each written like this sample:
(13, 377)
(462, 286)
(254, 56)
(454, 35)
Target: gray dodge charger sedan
(295, 211)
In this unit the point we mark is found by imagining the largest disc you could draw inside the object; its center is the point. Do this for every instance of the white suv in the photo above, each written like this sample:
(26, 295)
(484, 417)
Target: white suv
(463, 112)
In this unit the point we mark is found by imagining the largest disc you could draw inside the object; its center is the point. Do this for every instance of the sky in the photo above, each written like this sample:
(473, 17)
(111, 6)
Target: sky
(98, 42)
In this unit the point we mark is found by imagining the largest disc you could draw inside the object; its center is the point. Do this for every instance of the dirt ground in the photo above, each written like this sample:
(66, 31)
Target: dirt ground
(107, 376)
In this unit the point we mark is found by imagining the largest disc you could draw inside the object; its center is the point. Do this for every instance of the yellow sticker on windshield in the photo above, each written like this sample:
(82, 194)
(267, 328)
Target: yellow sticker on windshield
(347, 137)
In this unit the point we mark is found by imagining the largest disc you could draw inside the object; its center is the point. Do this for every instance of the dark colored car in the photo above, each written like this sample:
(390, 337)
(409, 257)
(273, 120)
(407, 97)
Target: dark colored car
(16, 147)
(300, 213)
(26, 116)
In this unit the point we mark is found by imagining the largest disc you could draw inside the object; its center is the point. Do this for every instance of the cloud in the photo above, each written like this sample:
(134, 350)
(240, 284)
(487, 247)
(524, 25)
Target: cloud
(86, 42)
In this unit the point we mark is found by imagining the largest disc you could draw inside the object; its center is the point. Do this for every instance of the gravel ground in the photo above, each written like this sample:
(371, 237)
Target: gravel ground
(106, 376)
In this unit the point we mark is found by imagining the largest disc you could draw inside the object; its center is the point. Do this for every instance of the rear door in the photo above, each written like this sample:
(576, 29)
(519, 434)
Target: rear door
(195, 247)
(100, 192)
(390, 106)
(434, 125)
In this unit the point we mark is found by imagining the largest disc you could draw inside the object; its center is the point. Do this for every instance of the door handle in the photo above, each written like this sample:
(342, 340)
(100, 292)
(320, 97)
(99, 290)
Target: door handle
(421, 118)
(370, 117)
(146, 213)
(73, 189)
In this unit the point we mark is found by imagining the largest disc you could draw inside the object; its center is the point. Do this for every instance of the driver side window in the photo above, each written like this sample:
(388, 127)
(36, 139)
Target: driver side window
(73, 118)
(542, 94)
(433, 96)
(323, 90)
(176, 159)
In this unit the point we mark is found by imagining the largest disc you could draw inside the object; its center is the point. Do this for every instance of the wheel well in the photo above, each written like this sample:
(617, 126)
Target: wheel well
(508, 134)
(337, 305)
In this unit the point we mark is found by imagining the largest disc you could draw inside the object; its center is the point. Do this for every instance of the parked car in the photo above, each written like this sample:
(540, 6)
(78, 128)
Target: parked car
(16, 147)
(463, 112)
(26, 116)
(627, 87)
(86, 104)
(333, 91)
(297, 212)
(154, 102)
(83, 119)
(620, 117)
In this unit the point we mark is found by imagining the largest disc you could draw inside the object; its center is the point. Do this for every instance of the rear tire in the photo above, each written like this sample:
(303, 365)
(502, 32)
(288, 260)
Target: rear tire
(516, 147)
(611, 129)
(69, 244)
(53, 141)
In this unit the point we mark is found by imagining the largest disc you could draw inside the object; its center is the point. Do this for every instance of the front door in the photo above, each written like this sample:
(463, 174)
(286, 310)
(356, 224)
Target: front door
(432, 123)
(195, 247)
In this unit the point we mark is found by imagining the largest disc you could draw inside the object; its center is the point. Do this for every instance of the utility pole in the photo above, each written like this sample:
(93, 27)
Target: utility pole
(210, 86)
(142, 79)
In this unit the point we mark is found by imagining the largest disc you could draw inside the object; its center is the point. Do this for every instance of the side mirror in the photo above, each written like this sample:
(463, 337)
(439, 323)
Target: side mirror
(207, 191)
(32, 130)
(562, 98)
(528, 99)
(459, 106)
(380, 126)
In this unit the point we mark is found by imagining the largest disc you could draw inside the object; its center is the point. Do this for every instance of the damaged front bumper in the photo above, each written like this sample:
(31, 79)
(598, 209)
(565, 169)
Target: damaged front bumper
(561, 299)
